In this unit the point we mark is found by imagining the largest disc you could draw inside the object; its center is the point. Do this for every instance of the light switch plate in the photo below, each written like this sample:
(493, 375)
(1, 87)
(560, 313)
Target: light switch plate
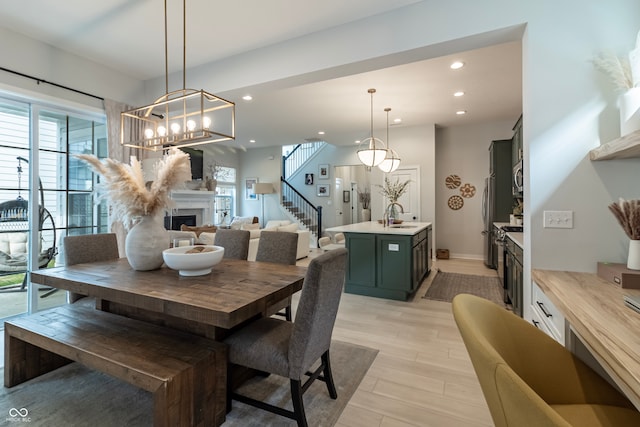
(558, 219)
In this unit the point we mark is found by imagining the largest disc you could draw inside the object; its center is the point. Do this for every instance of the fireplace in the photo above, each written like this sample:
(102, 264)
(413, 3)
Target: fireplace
(174, 222)
(187, 203)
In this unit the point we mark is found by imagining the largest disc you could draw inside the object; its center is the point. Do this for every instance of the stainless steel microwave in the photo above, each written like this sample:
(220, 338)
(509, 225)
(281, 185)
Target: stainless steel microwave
(518, 179)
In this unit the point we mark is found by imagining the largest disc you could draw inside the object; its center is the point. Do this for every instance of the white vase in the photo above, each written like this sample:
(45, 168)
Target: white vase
(366, 214)
(633, 261)
(629, 105)
(144, 244)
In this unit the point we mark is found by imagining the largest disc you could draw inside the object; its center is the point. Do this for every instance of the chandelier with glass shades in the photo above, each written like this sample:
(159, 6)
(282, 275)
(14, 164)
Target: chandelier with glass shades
(392, 160)
(376, 151)
(181, 118)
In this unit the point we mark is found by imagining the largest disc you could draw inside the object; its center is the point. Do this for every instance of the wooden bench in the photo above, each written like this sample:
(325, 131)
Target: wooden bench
(185, 373)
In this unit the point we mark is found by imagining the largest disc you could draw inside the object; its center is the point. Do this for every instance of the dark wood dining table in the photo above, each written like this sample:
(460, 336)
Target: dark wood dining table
(209, 305)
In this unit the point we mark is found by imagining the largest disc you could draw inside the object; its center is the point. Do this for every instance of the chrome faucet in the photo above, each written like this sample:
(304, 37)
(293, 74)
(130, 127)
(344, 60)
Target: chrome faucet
(387, 213)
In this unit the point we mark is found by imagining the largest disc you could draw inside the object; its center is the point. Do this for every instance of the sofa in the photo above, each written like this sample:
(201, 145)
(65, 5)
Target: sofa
(208, 238)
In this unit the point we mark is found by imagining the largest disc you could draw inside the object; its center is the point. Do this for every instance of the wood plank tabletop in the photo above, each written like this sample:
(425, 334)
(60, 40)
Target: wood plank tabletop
(596, 311)
(233, 292)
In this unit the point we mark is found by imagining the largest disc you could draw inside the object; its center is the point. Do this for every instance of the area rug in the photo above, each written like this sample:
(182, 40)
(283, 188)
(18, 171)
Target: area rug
(76, 396)
(447, 285)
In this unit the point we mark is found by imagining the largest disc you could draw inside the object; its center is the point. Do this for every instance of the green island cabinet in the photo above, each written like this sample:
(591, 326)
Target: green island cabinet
(386, 262)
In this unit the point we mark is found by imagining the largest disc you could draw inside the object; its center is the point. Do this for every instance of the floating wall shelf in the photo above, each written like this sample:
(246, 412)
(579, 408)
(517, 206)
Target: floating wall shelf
(625, 147)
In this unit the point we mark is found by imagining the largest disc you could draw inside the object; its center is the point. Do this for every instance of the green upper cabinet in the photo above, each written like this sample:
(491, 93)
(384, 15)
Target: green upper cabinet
(516, 151)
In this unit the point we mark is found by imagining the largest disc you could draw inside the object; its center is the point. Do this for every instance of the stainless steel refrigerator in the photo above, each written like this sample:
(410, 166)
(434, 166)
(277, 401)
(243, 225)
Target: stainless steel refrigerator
(497, 201)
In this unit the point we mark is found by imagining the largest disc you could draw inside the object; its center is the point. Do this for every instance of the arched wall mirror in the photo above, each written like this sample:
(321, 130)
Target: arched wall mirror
(352, 194)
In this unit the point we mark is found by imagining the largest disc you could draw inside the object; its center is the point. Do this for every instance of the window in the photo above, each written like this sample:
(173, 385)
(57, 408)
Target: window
(225, 199)
(35, 134)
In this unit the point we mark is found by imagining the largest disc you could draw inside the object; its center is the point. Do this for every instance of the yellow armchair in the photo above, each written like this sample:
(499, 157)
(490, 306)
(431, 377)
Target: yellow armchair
(528, 379)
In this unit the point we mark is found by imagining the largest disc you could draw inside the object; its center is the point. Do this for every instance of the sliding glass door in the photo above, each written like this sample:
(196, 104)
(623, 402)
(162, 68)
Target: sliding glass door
(45, 194)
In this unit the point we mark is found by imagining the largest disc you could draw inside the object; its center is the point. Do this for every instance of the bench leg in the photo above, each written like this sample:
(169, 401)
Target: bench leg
(24, 361)
(194, 398)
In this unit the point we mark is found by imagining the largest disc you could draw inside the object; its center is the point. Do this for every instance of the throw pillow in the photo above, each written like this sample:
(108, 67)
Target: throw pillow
(250, 227)
(292, 228)
(198, 230)
(277, 223)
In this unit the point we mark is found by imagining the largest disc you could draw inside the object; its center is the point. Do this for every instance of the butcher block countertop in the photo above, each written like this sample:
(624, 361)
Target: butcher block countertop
(596, 311)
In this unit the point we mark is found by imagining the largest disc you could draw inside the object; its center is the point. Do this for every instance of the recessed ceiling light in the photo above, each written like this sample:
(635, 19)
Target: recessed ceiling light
(461, 112)
(397, 121)
(321, 132)
(247, 97)
(458, 93)
(252, 141)
(456, 65)
(358, 141)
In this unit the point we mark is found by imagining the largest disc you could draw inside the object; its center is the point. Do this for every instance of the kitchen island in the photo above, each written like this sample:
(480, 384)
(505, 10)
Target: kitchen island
(386, 262)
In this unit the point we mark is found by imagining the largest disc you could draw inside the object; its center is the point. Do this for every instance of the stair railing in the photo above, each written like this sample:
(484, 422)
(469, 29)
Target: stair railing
(300, 207)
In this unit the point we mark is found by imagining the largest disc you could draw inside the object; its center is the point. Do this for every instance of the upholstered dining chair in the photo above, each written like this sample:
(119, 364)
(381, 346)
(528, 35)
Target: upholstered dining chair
(529, 379)
(289, 349)
(234, 242)
(279, 247)
(324, 241)
(89, 248)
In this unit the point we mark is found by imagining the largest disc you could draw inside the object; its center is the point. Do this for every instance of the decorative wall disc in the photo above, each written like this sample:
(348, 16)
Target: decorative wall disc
(455, 202)
(467, 190)
(452, 181)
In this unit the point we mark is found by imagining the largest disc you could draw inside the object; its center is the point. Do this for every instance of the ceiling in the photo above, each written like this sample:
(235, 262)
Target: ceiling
(128, 35)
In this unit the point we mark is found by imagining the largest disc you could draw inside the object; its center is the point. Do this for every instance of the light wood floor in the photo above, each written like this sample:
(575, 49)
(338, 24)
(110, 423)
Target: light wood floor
(422, 375)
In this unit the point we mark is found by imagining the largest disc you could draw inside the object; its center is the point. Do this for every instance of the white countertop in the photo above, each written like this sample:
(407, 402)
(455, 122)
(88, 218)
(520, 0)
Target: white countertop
(406, 228)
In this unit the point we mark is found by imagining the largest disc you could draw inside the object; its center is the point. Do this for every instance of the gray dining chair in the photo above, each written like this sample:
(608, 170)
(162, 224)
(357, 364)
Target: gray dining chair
(279, 247)
(234, 242)
(89, 248)
(289, 349)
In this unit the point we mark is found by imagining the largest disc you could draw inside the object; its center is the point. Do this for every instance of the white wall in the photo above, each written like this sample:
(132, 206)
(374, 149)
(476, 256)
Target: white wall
(37, 59)
(464, 151)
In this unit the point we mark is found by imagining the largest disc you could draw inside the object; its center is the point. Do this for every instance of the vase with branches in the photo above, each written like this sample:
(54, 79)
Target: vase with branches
(138, 206)
(627, 212)
(364, 197)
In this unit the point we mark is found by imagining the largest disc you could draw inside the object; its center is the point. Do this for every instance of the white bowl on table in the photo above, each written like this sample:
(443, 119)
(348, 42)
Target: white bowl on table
(193, 264)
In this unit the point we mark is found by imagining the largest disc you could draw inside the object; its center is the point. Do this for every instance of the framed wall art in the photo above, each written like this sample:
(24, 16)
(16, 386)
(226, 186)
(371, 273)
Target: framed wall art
(308, 178)
(248, 189)
(323, 171)
(323, 190)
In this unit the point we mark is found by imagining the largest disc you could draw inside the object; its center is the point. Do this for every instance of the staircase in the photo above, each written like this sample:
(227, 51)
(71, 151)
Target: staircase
(301, 209)
(298, 206)
(299, 156)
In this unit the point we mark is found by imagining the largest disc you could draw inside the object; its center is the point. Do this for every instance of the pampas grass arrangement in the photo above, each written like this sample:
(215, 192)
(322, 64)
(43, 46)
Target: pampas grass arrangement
(124, 186)
(618, 69)
(627, 212)
(624, 71)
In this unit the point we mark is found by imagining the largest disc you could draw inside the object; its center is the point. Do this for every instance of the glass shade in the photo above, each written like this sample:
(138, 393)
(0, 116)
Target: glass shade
(374, 154)
(391, 162)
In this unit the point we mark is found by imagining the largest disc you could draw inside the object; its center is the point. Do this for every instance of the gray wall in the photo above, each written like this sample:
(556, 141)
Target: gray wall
(464, 151)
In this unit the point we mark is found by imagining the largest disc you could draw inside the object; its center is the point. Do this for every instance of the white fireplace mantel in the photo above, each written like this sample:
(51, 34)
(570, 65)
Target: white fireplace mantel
(200, 203)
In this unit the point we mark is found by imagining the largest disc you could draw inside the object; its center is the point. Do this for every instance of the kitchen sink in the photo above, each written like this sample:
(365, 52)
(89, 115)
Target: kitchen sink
(402, 226)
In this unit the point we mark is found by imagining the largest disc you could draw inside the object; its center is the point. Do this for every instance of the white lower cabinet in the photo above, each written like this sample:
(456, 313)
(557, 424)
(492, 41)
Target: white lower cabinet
(546, 316)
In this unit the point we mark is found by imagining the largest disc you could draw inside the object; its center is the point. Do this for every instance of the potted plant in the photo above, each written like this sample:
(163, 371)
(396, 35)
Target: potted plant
(392, 191)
